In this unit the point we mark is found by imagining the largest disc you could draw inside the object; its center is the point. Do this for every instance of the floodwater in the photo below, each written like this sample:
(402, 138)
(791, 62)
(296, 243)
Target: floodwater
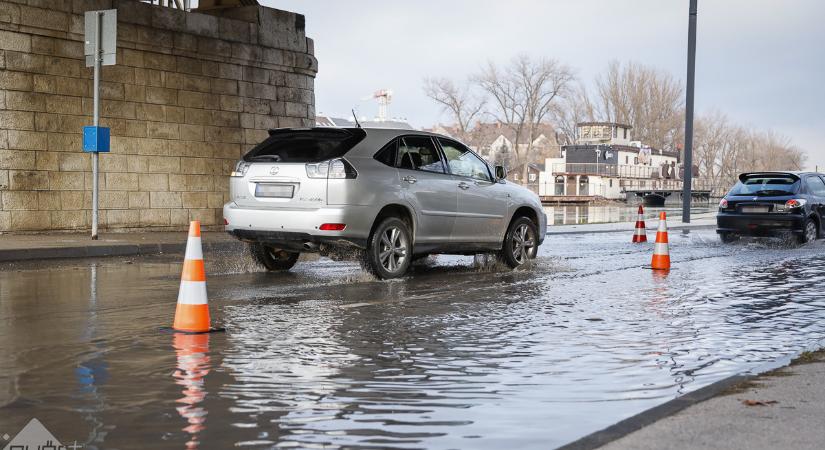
(613, 213)
(460, 354)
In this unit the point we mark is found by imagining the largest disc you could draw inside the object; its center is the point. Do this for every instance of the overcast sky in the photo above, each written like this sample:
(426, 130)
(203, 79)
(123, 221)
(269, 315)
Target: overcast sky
(762, 62)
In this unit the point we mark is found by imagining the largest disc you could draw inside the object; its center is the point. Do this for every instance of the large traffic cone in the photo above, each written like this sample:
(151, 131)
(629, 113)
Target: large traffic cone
(192, 313)
(661, 252)
(641, 231)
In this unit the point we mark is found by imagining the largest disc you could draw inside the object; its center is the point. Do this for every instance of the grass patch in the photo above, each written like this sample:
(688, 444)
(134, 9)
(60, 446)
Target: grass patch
(809, 357)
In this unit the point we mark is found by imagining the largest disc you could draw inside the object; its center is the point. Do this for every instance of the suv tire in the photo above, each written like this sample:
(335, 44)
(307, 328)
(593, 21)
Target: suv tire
(273, 259)
(389, 249)
(520, 243)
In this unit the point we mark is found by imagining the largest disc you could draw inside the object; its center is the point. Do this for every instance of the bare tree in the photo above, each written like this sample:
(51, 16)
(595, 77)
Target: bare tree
(458, 102)
(648, 99)
(523, 95)
(724, 150)
(575, 108)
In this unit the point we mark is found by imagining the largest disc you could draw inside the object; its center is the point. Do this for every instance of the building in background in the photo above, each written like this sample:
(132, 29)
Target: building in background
(606, 163)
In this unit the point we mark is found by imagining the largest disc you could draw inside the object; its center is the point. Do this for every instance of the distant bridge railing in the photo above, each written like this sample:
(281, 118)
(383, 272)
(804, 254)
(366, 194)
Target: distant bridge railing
(608, 170)
(698, 184)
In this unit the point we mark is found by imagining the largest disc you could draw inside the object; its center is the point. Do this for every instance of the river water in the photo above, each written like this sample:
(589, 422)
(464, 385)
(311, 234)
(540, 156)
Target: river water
(460, 354)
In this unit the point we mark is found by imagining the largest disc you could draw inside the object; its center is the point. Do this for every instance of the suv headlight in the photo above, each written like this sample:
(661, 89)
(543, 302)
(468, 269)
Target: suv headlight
(240, 168)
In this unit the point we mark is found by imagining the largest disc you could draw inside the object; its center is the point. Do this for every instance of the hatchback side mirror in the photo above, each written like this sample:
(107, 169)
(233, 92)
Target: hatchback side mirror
(501, 173)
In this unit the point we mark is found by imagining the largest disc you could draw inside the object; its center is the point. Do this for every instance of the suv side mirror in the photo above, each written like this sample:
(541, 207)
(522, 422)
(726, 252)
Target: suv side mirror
(501, 173)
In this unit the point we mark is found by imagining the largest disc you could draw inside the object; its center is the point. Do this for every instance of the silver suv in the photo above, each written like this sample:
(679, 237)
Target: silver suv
(391, 195)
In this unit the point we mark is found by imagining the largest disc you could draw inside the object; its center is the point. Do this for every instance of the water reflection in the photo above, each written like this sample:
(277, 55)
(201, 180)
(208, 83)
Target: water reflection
(193, 365)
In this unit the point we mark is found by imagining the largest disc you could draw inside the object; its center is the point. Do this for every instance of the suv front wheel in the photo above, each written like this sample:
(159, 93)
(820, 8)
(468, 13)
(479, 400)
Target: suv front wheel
(520, 242)
(389, 250)
(273, 259)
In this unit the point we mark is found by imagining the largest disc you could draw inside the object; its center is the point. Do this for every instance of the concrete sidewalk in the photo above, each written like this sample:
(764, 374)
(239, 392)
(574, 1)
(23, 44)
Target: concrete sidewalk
(22, 247)
(781, 409)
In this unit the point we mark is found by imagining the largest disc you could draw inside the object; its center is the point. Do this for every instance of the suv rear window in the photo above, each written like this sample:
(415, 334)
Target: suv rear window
(766, 185)
(309, 145)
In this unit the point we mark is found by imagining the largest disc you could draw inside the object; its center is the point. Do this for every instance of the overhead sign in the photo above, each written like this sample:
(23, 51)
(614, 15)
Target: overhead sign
(101, 33)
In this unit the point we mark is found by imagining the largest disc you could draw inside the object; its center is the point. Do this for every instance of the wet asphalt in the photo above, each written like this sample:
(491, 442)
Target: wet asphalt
(459, 354)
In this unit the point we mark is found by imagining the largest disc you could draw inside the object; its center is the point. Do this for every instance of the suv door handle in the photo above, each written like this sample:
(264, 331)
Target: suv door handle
(409, 179)
(464, 185)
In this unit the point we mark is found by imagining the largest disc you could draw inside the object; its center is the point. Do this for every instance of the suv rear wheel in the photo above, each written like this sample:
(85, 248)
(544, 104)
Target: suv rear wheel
(389, 250)
(810, 231)
(520, 242)
(274, 259)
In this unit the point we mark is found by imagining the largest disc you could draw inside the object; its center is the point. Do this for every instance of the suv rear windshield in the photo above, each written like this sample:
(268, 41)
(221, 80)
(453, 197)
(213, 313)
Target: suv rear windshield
(766, 185)
(309, 145)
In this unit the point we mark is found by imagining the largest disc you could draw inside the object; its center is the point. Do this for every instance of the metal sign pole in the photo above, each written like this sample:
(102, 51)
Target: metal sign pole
(96, 118)
(691, 72)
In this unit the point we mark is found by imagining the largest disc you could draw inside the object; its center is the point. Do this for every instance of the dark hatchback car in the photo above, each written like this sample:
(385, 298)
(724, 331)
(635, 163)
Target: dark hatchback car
(771, 204)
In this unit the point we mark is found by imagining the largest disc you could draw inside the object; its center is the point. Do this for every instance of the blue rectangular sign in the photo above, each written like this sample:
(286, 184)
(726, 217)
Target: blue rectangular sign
(96, 139)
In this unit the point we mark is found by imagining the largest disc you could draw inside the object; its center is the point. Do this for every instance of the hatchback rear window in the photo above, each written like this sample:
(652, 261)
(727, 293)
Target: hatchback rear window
(766, 185)
(309, 145)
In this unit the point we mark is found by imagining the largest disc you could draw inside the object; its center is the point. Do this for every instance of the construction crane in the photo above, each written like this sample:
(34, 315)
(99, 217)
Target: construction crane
(384, 97)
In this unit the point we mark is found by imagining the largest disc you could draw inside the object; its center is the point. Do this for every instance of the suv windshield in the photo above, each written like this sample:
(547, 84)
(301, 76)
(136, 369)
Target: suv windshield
(310, 145)
(766, 185)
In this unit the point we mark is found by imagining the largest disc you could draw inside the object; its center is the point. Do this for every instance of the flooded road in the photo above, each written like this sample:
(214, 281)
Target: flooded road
(459, 354)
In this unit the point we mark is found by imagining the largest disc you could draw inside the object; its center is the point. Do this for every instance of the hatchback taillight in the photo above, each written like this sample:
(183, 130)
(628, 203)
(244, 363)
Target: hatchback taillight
(795, 203)
(723, 204)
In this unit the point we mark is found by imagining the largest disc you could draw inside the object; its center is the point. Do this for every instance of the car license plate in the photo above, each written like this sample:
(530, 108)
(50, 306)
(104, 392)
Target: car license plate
(274, 190)
(754, 209)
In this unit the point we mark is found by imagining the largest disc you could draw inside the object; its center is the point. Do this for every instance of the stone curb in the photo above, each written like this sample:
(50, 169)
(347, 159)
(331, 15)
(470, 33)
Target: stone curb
(96, 251)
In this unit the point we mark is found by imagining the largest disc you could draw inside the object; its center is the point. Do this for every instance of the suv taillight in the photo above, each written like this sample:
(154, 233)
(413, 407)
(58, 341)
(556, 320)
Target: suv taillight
(335, 169)
(240, 168)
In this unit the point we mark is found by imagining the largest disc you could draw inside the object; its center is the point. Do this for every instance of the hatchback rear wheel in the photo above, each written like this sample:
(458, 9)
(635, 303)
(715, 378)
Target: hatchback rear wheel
(810, 232)
(273, 259)
(389, 250)
(727, 237)
(520, 242)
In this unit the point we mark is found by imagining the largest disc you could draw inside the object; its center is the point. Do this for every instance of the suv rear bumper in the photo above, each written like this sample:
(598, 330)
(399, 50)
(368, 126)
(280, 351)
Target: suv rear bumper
(758, 224)
(298, 229)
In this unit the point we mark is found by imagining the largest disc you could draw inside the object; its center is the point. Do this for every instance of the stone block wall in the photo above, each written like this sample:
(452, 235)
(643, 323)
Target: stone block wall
(189, 95)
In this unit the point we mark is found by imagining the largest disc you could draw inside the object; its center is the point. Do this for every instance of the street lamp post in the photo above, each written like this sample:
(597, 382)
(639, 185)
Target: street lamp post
(691, 72)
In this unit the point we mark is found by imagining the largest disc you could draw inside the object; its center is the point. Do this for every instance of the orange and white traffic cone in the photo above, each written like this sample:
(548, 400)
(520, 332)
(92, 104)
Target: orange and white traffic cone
(641, 231)
(192, 313)
(661, 252)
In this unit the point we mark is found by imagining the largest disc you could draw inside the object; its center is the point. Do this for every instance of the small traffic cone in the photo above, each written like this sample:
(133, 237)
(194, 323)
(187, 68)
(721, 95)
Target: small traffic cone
(192, 313)
(661, 252)
(641, 231)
